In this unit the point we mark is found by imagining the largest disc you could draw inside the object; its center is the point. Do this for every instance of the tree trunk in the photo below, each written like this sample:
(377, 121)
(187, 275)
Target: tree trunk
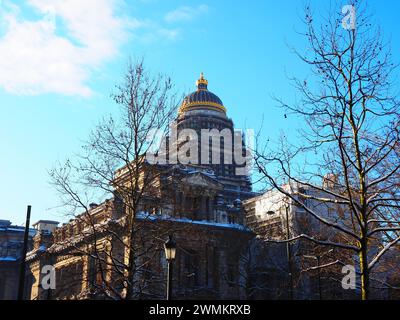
(131, 262)
(364, 274)
(131, 271)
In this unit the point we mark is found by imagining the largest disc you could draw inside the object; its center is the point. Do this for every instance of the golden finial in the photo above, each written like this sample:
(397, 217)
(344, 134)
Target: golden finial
(202, 82)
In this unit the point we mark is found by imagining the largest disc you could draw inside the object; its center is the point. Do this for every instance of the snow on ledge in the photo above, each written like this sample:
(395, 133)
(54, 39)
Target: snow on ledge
(152, 217)
(8, 259)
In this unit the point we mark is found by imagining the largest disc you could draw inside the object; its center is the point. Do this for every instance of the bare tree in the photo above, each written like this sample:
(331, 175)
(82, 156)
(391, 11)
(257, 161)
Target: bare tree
(350, 140)
(113, 164)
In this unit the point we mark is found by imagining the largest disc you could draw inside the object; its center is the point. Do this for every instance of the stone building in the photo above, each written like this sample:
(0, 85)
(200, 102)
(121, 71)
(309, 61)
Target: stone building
(219, 224)
(11, 244)
(274, 216)
(290, 270)
(200, 204)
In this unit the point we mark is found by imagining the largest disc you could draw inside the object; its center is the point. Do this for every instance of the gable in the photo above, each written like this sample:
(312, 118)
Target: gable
(201, 180)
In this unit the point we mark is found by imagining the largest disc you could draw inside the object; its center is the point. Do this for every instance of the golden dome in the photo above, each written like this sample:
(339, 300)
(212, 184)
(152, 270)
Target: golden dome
(202, 99)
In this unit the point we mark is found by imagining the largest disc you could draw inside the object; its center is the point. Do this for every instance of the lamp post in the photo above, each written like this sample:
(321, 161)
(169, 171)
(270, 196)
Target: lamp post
(170, 252)
(318, 259)
(21, 285)
(289, 252)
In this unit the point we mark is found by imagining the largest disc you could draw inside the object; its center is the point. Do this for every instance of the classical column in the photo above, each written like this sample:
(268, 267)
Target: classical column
(177, 209)
(203, 208)
(183, 207)
(211, 208)
(85, 273)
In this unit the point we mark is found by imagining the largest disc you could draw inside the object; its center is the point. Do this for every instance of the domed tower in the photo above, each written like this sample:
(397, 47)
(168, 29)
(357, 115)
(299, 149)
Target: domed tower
(202, 101)
(203, 109)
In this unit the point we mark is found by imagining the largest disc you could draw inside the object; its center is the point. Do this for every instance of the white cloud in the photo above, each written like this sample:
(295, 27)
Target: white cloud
(169, 34)
(152, 32)
(185, 13)
(58, 52)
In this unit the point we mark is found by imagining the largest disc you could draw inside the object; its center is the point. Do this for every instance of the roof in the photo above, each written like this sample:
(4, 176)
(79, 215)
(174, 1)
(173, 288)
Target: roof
(46, 221)
(5, 223)
(17, 229)
(152, 217)
(202, 99)
(212, 182)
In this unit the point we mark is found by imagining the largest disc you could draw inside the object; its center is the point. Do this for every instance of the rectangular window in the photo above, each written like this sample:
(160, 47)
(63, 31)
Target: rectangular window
(2, 289)
(192, 269)
(231, 275)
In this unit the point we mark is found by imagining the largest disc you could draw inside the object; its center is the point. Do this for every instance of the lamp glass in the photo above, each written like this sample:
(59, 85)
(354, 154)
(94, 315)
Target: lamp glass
(170, 249)
(170, 253)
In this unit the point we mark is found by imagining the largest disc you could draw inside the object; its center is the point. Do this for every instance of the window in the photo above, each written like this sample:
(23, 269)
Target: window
(191, 267)
(147, 269)
(231, 219)
(2, 289)
(208, 210)
(231, 275)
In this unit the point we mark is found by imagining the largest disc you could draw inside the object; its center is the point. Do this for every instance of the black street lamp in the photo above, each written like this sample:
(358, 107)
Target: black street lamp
(170, 252)
(289, 252)
(318, 259)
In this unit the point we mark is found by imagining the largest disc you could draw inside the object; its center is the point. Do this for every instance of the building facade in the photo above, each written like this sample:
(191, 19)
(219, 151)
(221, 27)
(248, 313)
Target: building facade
(199, 203)
(11, 244)
(222, 229)
(303, 269)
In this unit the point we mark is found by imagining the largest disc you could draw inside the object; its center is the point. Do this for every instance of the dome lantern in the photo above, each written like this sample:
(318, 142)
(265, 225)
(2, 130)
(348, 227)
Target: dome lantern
(202, 99)
(202, 83)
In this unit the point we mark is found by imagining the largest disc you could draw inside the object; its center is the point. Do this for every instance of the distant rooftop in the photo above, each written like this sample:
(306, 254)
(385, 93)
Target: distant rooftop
(7, 226)
(5, 223)
(46, 226)
(45, 222)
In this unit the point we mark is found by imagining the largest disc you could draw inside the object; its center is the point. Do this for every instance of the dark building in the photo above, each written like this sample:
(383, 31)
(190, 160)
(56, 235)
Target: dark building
(201, 203)
(204, 112)
(11, 244)
(220, 226)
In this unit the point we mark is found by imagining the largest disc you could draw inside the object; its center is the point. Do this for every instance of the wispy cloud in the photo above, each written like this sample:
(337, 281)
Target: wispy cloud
(185, 13)
(58, 51)
(55, 46)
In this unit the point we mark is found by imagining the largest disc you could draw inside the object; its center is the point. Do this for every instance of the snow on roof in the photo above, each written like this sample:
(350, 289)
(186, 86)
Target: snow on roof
(152, 217)
(8, 259)
(57, 246)
(46, 221)
(32, 232)
(5, 223)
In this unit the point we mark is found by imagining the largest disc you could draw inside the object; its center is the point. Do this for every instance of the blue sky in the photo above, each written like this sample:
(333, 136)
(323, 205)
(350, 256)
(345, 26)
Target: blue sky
(59, 61)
